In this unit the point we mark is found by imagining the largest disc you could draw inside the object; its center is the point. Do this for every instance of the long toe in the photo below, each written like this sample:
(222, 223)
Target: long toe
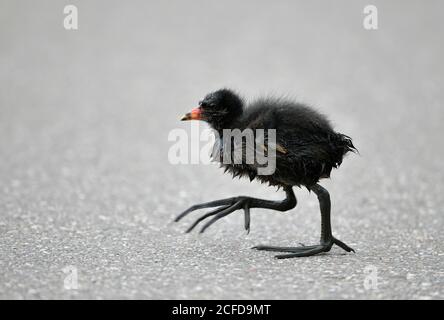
(283, 249)
(211, 204)
(209, 214)
(341, 244)
(221, 214)
(305, 252)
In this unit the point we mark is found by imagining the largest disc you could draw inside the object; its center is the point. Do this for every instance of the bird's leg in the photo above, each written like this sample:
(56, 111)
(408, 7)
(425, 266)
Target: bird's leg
(327, 239)
(229, 205)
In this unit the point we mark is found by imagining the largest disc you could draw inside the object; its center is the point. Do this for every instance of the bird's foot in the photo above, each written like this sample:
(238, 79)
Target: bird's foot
(305, 251)
(223, 208)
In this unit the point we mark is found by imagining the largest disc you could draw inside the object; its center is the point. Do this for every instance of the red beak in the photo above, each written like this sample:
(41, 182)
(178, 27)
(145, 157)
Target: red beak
(195, 114)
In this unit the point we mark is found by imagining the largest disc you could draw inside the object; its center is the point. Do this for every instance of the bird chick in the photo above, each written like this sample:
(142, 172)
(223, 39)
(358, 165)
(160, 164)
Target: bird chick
(306, 148)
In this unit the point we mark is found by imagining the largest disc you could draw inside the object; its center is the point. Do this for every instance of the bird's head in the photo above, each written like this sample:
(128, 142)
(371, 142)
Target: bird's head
(219, 109)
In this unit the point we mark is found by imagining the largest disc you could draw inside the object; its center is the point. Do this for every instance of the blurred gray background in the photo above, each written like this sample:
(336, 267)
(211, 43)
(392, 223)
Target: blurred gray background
(84, 174)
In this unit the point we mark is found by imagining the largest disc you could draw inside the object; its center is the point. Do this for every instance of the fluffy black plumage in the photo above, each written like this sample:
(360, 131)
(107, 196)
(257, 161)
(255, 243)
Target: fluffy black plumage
(306, 147)
(309, 147)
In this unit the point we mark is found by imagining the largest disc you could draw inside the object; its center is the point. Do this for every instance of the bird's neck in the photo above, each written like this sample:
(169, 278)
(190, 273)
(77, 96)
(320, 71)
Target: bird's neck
(226, 125)
(227, 121)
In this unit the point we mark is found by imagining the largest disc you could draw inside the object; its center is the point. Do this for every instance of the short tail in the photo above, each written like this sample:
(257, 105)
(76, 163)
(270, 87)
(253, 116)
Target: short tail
(342, 144)
(346, 143)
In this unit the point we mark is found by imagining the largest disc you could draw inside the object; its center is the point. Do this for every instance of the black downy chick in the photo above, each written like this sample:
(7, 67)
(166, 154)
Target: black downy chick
(306, 149)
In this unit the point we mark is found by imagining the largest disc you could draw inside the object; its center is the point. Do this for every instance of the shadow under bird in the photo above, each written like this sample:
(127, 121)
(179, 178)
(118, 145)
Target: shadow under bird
(306, 150)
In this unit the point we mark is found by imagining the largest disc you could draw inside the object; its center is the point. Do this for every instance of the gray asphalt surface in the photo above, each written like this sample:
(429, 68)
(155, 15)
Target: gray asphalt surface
(85, 179)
